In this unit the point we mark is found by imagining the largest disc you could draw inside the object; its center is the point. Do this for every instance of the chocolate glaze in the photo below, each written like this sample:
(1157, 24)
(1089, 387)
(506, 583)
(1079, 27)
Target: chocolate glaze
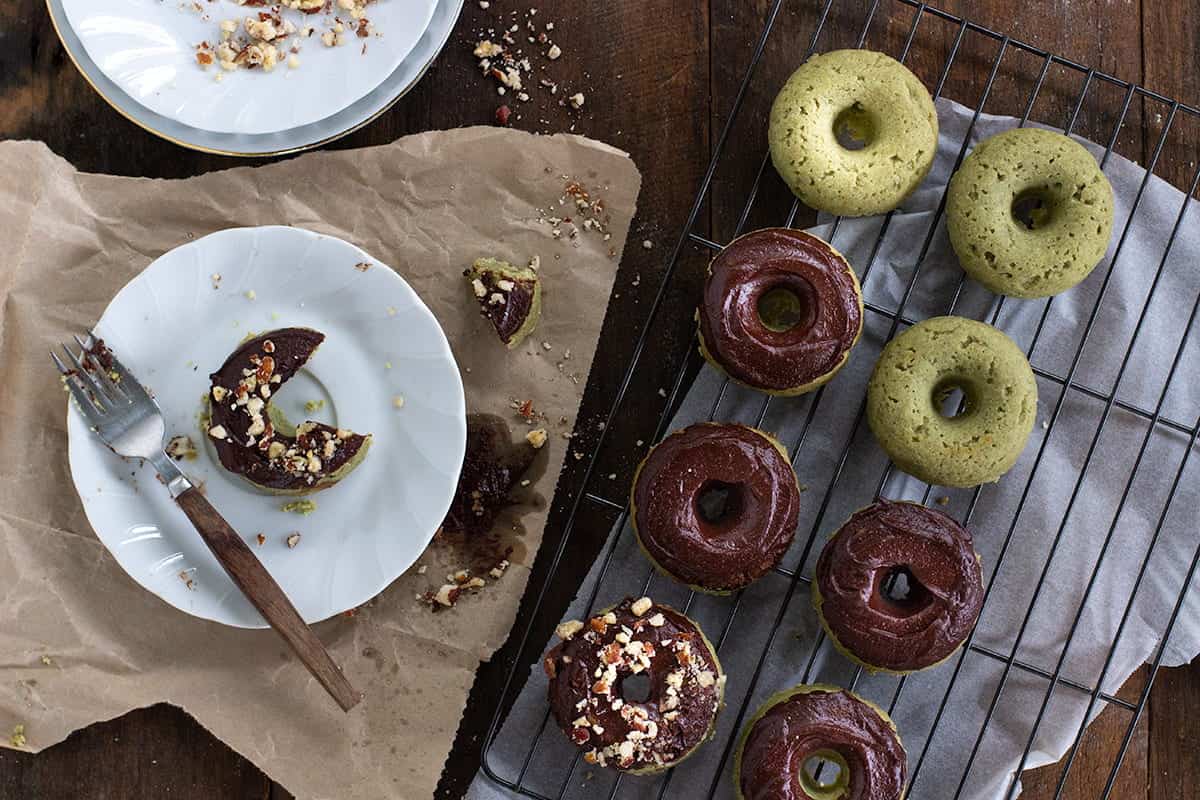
(506, 317)
(272, 359)
(943, 574)
(734, 334)
(686, 686)
(492, 466)
(800, 726)
(761, 510)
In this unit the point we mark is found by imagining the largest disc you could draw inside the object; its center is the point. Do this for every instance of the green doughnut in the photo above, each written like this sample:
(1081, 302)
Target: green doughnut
(914, 373)
(872, 98)
(1068, 202)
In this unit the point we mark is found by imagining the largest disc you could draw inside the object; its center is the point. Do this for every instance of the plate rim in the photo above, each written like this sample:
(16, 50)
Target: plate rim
(75, 438)
(455, 6)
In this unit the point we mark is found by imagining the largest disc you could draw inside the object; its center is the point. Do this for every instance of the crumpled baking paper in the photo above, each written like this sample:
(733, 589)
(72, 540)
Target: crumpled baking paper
(81, 642)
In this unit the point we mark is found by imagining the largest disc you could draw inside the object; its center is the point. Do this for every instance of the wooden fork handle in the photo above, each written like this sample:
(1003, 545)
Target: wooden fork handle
(264, 593)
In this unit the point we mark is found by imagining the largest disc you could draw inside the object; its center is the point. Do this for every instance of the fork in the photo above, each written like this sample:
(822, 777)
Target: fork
(127, 419)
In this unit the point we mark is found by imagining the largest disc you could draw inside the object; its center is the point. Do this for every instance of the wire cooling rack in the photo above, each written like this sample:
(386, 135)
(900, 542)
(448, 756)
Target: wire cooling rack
(959, 32)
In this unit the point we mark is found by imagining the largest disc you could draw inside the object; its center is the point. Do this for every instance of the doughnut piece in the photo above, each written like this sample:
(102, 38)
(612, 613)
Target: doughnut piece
(853, 132)
(940, 568)
(510, 297)
(819, 721)
(588, 671)
(1029, 213)
(781, 311)
(715, 506)
(253, 441)
(915, 373)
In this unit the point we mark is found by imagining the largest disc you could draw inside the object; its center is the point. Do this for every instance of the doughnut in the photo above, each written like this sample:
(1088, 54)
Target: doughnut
(509, 297)
(853, 132)
(939, 564)
(781, 311)
(1029, 213)
(826, 722)
(715, 506)
(254, 441)
(916, 372)
(588, 671)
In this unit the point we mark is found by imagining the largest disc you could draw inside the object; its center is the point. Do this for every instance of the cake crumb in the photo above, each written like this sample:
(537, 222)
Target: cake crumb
(536, 438)
(303, 507)
(17, 739)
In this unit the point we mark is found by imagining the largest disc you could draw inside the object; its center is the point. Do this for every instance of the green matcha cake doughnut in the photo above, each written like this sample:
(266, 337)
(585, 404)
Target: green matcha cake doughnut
(1029, 213)
(868, 101)
(919, 368)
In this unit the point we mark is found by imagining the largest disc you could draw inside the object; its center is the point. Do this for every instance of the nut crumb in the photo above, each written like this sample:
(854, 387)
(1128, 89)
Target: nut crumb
(536, 438)
(565, 630)
(641, 606)
(258, 537)
(292, 540)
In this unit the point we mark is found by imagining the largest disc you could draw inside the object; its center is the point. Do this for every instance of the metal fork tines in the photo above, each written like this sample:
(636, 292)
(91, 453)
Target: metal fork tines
(116, 405)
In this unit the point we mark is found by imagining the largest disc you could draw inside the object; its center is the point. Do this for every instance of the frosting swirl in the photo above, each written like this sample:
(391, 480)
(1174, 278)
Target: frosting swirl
(945, 587)
(828, 722)
(729, 545)
(827, 314)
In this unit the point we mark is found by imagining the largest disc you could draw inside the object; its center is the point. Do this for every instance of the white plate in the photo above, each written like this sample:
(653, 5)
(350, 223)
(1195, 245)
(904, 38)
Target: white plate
(148, 47)
(171, 328)
(353, 117)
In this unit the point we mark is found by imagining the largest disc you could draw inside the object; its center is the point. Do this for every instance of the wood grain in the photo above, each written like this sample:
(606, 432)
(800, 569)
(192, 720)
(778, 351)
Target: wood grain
(249, 575)
(659, 79)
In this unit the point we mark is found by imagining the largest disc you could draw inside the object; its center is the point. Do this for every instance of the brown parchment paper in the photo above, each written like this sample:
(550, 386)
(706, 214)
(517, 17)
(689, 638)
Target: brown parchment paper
(427, 205)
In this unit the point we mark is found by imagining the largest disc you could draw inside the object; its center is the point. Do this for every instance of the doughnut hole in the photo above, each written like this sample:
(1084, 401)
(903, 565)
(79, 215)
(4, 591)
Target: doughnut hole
(787, 306)
(899, 592)
(719, 505)
(635, 688)
(855, 128)
(825, 775)
(1035, 208)
(954, 398)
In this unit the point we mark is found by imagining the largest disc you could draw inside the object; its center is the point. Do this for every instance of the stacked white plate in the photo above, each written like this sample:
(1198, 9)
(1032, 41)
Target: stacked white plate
(140, 55)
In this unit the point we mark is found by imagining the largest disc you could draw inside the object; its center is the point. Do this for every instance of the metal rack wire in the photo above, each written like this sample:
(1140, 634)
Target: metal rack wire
(1067, 382)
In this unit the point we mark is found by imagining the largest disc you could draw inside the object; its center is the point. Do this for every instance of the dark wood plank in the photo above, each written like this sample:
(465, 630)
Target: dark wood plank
(1101, 743)
(1174, 770)
(155, 752)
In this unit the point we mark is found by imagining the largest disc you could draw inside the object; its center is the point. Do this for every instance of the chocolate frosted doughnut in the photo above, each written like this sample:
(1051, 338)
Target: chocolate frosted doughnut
(715, 506)
(588, 670)
(945, 586)
(781, 311)
(825, 722)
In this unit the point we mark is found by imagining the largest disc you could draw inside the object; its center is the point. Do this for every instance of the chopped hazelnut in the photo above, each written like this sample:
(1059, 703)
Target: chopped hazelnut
(641, 606)
(566, 630)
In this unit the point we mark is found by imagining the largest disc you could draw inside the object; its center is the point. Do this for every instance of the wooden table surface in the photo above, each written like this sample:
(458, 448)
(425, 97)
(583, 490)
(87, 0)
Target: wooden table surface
(659, 78)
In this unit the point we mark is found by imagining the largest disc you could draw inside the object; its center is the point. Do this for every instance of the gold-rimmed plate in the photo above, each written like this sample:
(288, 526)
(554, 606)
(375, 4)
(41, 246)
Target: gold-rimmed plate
(410, 70)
